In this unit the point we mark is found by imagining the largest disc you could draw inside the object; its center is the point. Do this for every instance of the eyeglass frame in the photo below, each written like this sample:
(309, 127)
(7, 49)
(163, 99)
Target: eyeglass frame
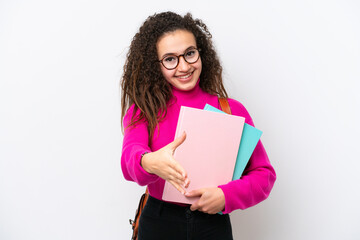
(178, 58)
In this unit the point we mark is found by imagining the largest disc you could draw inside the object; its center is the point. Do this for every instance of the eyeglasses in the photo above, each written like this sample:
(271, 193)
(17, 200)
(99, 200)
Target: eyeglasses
(172, 61)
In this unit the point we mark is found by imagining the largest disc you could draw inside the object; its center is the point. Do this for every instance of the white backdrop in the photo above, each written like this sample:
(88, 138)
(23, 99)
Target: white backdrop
(293, 64)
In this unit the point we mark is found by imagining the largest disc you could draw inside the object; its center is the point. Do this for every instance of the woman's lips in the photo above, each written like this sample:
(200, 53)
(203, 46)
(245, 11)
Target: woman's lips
(185, 77)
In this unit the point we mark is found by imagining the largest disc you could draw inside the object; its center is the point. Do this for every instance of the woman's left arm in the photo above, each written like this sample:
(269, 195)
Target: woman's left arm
(258, 177)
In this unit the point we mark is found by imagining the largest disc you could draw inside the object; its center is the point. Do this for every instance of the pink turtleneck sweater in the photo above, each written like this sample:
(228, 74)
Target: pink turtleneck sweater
(253, 187)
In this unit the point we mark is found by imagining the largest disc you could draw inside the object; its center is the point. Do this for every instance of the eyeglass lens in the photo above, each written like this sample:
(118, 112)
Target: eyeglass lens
(171, 61)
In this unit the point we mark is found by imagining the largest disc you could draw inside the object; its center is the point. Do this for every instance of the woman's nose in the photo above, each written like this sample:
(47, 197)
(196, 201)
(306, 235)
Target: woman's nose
(183, 65)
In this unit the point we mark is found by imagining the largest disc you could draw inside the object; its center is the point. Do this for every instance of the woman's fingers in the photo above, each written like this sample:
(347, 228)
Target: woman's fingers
(178, 168)
(175, 177)
(181, 174)
(212, 200)
(177, 186)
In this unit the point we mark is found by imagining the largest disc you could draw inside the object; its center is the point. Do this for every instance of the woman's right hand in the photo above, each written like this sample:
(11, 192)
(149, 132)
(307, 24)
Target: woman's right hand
(163, 164)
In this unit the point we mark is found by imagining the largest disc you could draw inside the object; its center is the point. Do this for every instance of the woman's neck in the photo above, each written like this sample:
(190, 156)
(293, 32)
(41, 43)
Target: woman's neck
(195, 97)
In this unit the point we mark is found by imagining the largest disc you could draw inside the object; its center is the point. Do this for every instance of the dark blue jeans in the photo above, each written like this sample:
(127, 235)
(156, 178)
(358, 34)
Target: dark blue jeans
(165, 221)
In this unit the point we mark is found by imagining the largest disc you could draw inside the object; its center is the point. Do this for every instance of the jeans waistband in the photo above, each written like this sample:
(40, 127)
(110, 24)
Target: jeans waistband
(174, 206)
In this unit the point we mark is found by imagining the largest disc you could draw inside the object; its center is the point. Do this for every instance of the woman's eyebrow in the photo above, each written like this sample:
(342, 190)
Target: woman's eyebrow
(167, 54)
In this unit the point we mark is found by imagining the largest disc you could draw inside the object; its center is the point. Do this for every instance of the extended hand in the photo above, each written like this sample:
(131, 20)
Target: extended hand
(163, 164)
(212, 200)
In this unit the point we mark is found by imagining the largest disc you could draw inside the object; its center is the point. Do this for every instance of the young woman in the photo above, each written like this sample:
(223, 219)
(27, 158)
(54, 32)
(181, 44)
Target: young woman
(172, 63)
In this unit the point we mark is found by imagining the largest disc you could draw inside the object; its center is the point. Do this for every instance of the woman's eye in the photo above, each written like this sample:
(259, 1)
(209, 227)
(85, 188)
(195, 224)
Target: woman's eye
(190, 53)
(169, 59)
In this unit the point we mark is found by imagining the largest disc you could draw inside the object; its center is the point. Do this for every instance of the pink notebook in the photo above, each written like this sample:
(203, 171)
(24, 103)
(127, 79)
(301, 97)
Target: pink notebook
(209, 151)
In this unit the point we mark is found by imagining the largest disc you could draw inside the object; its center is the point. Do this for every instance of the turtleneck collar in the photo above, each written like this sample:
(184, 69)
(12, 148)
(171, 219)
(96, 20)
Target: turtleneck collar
(195, 97)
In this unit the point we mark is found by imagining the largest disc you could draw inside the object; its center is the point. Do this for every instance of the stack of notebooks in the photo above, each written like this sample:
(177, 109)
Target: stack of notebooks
(217, 149)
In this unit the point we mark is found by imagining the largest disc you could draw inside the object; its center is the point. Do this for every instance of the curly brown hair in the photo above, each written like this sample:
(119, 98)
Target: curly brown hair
(142, 82)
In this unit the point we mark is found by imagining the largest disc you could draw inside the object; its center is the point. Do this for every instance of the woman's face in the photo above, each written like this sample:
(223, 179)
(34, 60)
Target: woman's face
(185, 76)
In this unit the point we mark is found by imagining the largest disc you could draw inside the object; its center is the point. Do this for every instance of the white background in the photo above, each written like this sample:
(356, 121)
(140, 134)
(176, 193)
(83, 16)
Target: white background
(295, 65)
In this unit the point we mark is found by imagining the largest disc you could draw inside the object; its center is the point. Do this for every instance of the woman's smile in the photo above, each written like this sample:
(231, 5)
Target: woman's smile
(185, 77)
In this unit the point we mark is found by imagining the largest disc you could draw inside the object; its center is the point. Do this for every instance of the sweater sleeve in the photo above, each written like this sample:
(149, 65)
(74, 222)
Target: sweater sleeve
(135, 143)
(258, 178)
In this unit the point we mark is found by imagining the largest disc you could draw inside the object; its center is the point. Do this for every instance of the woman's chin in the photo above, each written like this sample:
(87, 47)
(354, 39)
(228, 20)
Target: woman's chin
(184, 85)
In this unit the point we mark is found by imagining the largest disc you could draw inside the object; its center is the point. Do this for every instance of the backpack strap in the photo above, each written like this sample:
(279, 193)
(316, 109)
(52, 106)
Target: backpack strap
(224, 104)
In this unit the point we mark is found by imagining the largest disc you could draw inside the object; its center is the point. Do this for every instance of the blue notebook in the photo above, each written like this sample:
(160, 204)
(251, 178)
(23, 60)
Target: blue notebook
(249, 139)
